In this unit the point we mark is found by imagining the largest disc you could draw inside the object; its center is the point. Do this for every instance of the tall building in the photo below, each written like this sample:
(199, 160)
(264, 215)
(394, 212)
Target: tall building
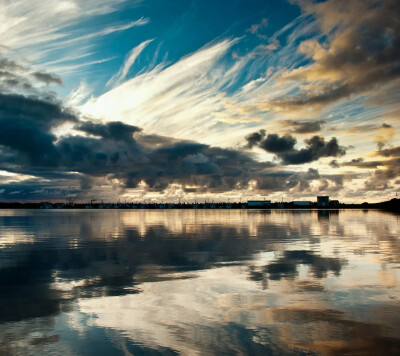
(323, 200)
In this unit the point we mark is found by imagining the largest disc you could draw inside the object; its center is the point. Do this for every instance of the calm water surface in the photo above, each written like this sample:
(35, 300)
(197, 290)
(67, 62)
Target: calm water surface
(117, 282)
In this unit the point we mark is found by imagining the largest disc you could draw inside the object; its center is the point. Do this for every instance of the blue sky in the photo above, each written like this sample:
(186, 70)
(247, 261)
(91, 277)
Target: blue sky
(179, 28)
(306, 91)
(176, 29)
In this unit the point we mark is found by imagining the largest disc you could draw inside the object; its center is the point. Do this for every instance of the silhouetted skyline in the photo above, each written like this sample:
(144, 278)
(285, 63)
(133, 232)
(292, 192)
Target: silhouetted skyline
(390, 205)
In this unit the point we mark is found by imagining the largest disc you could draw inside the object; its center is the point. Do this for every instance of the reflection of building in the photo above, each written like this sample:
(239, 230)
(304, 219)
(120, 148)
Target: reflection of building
(302, 203)
(258, 203)
(326, 214)
(323, 214)
(323, 200)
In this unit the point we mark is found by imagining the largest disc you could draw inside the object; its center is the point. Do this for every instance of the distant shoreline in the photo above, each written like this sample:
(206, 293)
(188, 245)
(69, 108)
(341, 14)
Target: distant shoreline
(391, 205)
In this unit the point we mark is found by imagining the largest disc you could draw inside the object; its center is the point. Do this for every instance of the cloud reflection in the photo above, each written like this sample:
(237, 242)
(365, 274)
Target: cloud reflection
(189, 282)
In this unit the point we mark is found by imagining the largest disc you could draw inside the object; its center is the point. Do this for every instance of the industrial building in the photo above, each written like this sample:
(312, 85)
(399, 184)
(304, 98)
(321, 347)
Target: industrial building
(323, 200)
(334, 203)
(258, 203)
(302, 203)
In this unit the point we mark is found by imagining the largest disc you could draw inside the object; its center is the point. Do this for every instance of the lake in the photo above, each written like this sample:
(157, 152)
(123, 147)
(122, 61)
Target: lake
(194, 282)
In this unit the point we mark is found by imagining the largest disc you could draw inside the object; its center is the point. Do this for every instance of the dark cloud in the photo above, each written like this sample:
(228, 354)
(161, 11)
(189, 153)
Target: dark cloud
(47, 78)
(287, 180)
(386, 126)
(390, 152)
(14, 76)
(334, 163)
(255, 138)
(275, 144)
(114, 130)
(271, 143)
(283, 147)
(334, 182)
(113, 150)
(278, 181)
(195, 164)
(384, 171)
(26, 124)
(361, 163)
(359, 53)
(45, 113)
(316, 147)
(303, 127)
(381, 178)
(9, 65)
(11, 77)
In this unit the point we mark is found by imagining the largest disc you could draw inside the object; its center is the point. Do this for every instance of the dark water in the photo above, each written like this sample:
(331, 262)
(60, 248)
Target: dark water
(199, 282)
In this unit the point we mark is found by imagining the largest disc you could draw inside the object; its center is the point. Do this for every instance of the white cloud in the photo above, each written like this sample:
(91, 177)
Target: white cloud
(106, 31)
(78, 95)
(128, 62)
(175, 100)
(188, 99)
(44, 31)
(66, 69)
(26, 23)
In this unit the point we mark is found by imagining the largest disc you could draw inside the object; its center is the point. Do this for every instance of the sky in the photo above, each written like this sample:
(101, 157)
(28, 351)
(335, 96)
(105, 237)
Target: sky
(125, 100)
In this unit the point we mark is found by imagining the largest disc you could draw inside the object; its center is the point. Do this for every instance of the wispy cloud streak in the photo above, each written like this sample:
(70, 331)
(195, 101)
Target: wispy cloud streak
(130, 59)
(173, 99)
(46, 30)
